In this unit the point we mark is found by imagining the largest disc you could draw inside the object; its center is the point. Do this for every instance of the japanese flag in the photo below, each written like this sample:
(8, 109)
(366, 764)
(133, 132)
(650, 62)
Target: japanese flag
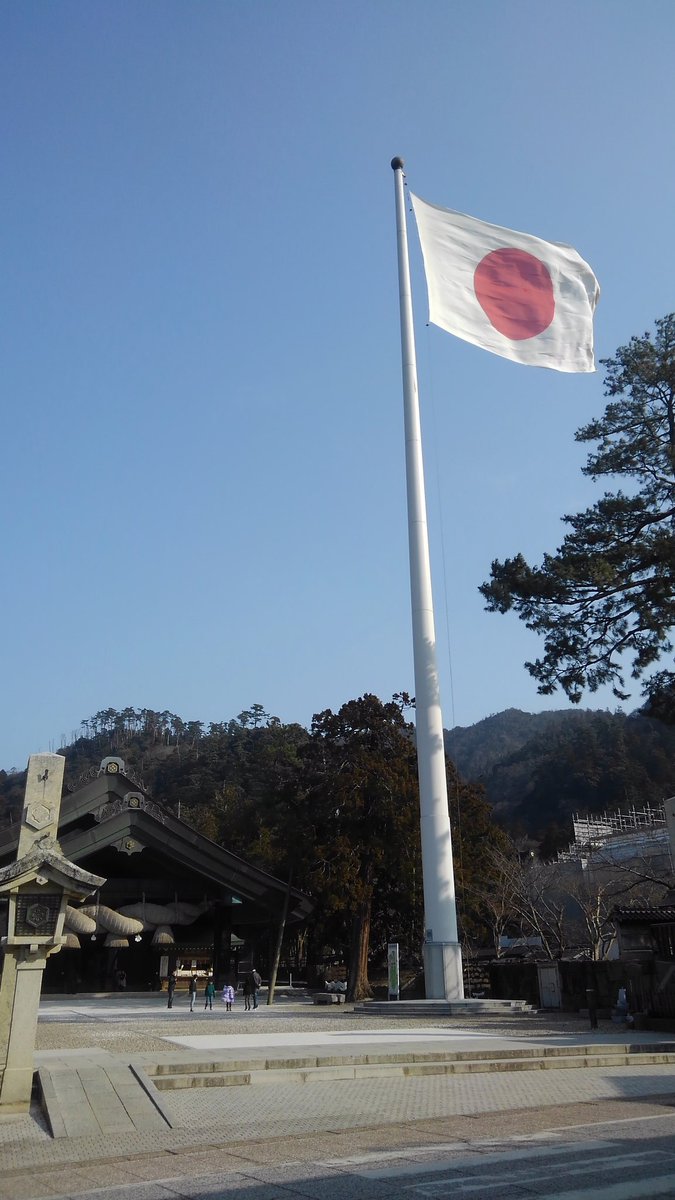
(511, 293)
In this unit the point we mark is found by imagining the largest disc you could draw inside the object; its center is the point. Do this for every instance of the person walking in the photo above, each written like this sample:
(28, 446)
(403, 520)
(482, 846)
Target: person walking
(192, 989)
(209, 993)
(228, 996)
(255, 984)
(247, 990)
(171, 989)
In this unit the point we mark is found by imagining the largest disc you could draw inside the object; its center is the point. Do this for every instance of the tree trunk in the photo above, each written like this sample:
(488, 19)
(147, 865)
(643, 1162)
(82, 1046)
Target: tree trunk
(358, 987)
(313, 964)
(276, 955)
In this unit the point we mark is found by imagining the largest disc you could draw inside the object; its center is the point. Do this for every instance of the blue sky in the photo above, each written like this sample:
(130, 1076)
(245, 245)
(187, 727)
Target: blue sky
(203, 479)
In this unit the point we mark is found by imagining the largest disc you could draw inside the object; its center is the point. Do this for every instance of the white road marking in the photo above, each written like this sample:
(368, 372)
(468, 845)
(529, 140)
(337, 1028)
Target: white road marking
(507, 1156)
(545, 1135)
(664, 1116)
(636, 1189)
(467, 1184)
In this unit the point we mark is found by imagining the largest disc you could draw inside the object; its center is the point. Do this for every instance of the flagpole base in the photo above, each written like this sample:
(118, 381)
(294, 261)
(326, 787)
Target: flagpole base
(443, 971)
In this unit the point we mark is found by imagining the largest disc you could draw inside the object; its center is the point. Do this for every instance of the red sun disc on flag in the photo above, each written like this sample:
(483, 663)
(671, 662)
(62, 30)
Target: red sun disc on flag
(515, 291)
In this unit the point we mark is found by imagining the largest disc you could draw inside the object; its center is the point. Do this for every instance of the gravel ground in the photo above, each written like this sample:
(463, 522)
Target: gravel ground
(138, 1034)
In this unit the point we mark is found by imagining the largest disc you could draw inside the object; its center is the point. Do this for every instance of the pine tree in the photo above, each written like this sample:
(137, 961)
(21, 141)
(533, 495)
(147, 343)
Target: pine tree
(609, 589)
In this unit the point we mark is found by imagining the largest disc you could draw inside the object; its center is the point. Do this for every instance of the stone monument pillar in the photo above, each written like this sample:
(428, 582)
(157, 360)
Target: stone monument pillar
(39, 885)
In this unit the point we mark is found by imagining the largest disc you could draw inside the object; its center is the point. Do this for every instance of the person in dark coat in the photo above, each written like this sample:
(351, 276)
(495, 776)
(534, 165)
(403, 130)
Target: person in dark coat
(171, 989)
(192, 990)
(247, 990)
(251, 984)
(255, 984)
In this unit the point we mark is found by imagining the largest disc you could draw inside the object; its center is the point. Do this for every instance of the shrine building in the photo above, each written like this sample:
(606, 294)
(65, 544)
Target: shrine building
(173, 900)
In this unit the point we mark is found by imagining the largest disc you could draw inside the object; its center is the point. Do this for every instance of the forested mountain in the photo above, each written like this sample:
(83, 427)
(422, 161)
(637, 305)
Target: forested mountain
(181, 762)
(475, 749)
(536, 769)
(539, 769)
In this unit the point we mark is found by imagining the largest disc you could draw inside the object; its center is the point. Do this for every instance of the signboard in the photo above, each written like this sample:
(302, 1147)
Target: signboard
(164, 966)
(392, 964)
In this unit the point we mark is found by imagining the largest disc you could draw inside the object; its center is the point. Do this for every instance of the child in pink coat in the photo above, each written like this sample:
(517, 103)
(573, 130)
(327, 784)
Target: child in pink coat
(228, 996)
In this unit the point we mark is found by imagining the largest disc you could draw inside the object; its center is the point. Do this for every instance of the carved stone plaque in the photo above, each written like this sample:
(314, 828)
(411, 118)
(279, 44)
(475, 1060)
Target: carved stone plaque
(36, 915)
(38, 816)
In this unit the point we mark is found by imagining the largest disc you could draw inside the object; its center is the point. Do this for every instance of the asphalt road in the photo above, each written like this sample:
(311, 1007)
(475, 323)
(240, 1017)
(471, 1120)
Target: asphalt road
(612, 1158)
(627, 1163)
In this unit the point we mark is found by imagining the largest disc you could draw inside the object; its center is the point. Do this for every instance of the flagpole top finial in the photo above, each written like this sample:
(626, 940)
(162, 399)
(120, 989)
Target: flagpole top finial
(397, 164)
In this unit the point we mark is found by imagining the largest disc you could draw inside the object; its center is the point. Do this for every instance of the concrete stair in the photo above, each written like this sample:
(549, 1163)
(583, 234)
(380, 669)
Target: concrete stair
(168, 1075)
(440, 1008)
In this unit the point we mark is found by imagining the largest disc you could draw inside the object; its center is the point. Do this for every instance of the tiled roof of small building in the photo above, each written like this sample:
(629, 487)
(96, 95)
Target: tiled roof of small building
(658, 914)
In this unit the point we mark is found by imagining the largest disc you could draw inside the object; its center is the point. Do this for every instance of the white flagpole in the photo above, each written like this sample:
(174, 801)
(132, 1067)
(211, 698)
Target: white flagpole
(442, 954)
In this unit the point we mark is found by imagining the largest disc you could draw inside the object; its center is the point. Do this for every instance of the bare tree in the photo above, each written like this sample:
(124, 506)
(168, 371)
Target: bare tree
(566, 905)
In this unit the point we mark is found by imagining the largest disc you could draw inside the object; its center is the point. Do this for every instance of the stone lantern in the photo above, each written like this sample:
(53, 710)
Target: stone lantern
(39, 887)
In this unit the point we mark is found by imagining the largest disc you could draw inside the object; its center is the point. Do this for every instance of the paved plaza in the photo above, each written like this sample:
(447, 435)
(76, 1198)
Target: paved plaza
(340, 1117)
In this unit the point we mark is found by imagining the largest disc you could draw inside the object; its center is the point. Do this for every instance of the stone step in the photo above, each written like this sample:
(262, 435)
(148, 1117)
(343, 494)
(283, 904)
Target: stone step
(331, 1068)
(440, 1008)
